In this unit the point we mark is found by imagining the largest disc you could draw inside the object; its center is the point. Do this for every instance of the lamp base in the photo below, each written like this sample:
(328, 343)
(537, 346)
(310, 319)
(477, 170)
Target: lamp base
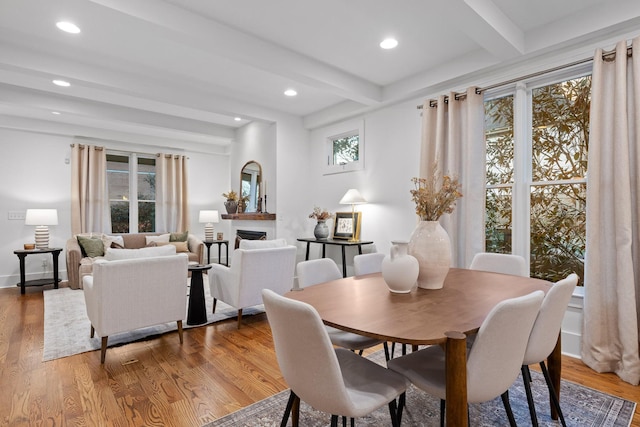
(42, 237)
(208, 232)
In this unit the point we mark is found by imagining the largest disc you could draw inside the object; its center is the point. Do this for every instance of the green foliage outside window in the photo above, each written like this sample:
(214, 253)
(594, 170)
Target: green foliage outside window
(346, 149)
(560, 139)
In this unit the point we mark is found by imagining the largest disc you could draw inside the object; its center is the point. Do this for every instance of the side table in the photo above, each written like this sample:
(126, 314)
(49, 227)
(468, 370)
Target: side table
(342, 243)
(22, 254)
(208, 244)
(197, 311)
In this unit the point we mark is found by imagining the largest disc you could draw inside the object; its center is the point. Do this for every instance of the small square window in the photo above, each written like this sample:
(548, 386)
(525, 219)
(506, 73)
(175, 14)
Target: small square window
(345, 150)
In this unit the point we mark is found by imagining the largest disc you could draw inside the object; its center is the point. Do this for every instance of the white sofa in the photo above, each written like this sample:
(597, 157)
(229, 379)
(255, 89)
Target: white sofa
(129, 294)
(256, 265)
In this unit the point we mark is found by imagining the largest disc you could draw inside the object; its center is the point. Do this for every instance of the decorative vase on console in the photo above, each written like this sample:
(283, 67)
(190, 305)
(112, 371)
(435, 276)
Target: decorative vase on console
(399, 269)
(429, 242)
(321, 230)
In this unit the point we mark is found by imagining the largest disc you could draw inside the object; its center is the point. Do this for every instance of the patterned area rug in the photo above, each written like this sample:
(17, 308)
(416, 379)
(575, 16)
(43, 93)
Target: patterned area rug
(581, 407)
(67, 327)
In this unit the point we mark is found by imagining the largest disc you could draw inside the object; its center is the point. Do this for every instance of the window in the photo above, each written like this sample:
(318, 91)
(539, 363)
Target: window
(536, 178)
(131, 182)
(345, 148)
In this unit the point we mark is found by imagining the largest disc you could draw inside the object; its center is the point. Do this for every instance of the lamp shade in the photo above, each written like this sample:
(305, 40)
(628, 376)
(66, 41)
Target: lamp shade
(208, 217)
(352, 197)
(41, 217)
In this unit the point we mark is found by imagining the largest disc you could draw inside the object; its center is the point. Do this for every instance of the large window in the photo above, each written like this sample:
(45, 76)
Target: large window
(131, 180)
(536, 175)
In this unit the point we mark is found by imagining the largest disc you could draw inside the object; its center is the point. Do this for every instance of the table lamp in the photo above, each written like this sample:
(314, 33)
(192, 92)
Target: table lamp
(208, 218)
(41, 218)
(352, 197)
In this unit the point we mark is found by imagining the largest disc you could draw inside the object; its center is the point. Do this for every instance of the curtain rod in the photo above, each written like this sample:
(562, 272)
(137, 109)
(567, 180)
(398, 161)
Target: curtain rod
(82, 147)
(606, 56)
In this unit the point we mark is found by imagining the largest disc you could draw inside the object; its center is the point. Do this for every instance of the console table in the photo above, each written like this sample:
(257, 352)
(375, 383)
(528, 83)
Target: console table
(208, 244)
(22, 254)
(342, 243)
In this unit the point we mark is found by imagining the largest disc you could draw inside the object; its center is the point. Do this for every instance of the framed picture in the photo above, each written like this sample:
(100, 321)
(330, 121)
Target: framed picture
(347, 227)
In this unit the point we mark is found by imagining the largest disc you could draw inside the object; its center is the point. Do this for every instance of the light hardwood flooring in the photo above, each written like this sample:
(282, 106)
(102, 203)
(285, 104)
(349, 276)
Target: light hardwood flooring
(159, 382)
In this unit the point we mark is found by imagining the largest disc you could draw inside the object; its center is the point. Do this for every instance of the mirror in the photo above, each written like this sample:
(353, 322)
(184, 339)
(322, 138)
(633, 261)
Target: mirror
(250, 180)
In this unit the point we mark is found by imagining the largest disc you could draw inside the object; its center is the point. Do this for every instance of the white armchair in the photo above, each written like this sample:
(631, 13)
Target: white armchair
(256, 265)
(135, 293)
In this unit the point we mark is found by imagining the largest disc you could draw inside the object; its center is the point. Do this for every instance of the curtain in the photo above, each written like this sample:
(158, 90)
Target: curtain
(612, 265)
(453, 136)
(89, 196)
(172, 210)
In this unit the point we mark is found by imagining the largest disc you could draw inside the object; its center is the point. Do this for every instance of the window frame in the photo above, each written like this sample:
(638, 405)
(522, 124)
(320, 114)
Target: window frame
(339, 131)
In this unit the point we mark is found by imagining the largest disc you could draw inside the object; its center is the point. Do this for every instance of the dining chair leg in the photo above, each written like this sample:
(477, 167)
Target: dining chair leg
(401, 404)
(287, 409)
(393, 412)
(344, 421)
(215, 300)
(334, 421)
(552, 392)
(507, 407)
(239, 317)
(526, 379)
(360, 352)
(386, 351)
(443, 405)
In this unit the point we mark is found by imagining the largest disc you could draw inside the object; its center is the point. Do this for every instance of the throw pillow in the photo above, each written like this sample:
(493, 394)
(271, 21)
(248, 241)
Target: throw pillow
(91, 246)
(112, 242)
(161, 238)
(118, 254)
(180, 246)
(179, 237)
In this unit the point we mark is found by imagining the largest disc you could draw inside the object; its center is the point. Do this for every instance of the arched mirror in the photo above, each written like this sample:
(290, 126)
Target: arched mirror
(250, 180)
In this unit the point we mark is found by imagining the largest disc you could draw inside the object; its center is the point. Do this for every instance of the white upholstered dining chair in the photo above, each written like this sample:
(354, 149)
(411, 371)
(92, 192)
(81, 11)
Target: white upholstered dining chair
(493, 363)
(500, 263)
(256, 265)
(544, 337)
(367, 263)
(322, 270)
(331, 380)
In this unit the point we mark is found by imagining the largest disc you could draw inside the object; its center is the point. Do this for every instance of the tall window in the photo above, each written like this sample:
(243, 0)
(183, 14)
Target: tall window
(132, 192)
(536, 178)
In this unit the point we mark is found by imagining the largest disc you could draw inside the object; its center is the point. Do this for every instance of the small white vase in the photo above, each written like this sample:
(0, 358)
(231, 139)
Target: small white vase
(431, 246)
(399, 269)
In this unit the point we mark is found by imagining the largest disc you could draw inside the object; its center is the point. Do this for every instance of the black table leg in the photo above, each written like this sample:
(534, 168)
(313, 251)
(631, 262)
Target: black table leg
(344, 264)
(23, 279)
(227, 259)
(197, 312)
(306, 257)
(55, 269)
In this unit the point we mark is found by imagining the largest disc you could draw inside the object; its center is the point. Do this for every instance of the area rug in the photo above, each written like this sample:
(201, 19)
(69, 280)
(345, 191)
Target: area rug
(67, 327)
(581, 407)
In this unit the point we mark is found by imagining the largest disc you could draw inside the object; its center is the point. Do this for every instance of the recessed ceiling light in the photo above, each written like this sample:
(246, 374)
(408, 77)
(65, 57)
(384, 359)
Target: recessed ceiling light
(290, 92)
(57, 113)
(68, 27)
(389, 43)
(237, 119)
(61, 83)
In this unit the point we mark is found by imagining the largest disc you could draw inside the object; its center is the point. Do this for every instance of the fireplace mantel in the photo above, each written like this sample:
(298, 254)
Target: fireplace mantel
(250, 216)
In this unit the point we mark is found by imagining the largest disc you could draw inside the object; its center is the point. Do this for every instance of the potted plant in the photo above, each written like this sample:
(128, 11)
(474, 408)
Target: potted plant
(231, 205)
(321, 231)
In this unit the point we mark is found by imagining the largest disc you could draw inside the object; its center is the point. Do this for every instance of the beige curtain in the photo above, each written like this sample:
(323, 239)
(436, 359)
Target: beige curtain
(172, 209)
(612, 267)
(453, 135)
(89, 197)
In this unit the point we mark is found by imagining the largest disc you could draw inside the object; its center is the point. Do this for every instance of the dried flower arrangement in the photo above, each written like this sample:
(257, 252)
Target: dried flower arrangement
(431, 202)
(320, 214)
(231, 196)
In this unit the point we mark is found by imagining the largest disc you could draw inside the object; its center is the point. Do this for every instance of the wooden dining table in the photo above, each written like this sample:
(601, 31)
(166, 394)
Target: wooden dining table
(364, 305)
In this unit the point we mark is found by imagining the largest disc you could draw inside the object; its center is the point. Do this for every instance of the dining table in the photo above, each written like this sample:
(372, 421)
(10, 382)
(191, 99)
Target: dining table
(364, 305)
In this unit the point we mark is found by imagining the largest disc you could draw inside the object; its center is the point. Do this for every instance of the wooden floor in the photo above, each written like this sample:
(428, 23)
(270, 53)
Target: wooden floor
(217, 370)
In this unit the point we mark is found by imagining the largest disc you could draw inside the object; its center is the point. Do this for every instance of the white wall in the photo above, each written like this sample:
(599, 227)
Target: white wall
(34, 174)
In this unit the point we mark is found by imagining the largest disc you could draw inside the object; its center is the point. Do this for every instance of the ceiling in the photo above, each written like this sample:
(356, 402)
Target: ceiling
(182, 70)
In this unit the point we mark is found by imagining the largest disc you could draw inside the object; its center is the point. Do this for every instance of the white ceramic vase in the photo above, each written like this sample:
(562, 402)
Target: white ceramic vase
(431, 246)
(399, 269)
